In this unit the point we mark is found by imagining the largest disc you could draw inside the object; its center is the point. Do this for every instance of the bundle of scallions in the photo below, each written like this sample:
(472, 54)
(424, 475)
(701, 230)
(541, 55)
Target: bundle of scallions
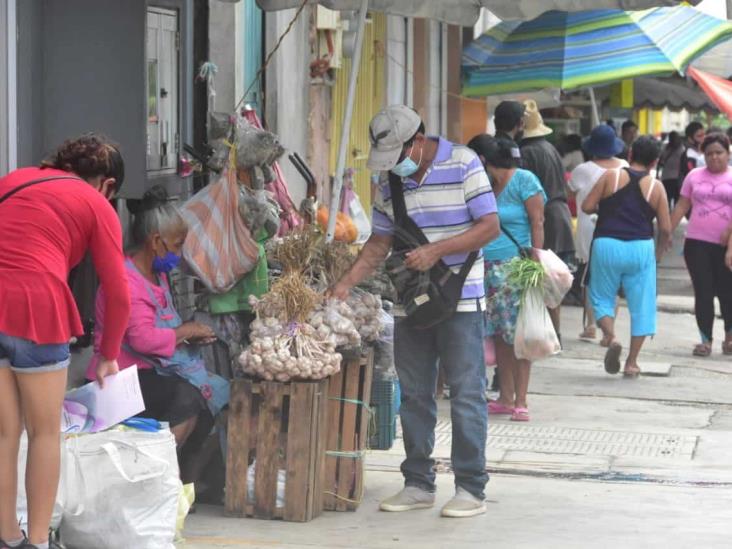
(525, 273)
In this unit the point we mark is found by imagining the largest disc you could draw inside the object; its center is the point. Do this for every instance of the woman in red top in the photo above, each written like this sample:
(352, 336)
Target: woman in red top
(49, 217)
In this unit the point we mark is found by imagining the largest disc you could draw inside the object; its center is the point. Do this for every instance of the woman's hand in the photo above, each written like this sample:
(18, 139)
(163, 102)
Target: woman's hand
(196, 331)
(106, 368)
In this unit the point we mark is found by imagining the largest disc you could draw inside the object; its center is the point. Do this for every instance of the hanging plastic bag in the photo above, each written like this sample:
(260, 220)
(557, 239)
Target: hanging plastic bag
(219, 247)
(535, 336)
(558, 280)
(127, 485)
(351, 206)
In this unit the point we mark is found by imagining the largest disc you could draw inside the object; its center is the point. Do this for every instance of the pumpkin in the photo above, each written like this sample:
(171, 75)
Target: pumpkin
(345, 228)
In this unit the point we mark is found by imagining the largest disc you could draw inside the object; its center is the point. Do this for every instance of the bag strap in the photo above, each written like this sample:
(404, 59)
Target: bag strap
(10, 193)
(521, 249)
(397, 198)
(469, 262)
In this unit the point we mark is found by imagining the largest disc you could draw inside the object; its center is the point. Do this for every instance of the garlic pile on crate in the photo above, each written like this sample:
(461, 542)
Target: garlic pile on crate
(366, 309)
(334, 320)
(280, 352)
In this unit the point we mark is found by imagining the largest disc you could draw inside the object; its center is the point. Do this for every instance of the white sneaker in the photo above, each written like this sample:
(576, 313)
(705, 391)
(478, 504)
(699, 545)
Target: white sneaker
(463, 504)
(408, 499)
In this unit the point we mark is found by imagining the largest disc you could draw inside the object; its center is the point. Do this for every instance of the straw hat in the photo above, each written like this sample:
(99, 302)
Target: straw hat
(534, 123)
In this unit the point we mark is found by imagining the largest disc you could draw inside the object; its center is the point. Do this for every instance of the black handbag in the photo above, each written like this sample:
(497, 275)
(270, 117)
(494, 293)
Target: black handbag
(429, 297)
(10, 193)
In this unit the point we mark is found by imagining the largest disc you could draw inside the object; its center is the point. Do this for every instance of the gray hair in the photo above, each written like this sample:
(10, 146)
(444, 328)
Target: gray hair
(154, 213)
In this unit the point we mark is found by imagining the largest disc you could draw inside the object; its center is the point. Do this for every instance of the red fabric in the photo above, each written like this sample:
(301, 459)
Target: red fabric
(718, 89)
(142, 335)
(46, 230)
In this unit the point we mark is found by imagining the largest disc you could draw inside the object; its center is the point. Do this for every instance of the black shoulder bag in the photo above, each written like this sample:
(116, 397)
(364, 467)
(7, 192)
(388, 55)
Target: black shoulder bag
(11, 192)
(428, 297)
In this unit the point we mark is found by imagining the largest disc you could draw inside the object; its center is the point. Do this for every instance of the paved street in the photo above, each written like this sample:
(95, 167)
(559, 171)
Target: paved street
(605, 461)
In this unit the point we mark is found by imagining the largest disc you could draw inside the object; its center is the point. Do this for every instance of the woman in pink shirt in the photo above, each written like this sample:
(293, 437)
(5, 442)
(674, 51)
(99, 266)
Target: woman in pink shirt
(707, 192)
(175, 385)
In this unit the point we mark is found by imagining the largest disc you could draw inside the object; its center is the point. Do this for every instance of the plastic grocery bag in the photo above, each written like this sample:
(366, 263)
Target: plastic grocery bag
(219, 247)
(558, 279)
(351, 206)
(127, 487)
(22, 504)
(535, 336)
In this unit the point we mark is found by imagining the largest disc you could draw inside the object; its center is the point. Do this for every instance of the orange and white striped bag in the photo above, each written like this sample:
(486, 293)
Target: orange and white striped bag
(219, 247)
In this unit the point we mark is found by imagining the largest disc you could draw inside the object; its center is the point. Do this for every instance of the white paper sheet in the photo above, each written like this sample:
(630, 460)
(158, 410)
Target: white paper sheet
(90, 408)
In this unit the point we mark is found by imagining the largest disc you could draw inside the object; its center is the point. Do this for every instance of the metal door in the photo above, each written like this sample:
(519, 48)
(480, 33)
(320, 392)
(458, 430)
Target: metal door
(162, 81)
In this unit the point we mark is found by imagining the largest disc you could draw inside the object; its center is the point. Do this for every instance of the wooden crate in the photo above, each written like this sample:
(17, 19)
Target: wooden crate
(348, 423)
(282, 426)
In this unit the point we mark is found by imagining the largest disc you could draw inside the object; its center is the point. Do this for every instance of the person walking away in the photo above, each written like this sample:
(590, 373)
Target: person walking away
(602, 146)
(448, 196)
(707, 192)
(623, 254)
(50, 217)
(175, 384)
(520, 200)
(628, 133)
(670, 166)
(572, 155)
(540, 157)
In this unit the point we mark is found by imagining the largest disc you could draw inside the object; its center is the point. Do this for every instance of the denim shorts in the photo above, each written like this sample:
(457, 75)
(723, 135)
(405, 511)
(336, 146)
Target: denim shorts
(25, 356)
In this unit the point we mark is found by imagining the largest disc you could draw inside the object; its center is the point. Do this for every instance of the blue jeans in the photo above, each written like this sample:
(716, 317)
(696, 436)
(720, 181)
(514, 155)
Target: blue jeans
(26, 356)
(457, 345)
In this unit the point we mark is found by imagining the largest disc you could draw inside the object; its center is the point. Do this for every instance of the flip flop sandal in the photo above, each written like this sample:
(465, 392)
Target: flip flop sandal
(520, 414)
(727, 348)
(632, 373)
(498, 408)
(588, 335)
(612, 358)
(703, 350)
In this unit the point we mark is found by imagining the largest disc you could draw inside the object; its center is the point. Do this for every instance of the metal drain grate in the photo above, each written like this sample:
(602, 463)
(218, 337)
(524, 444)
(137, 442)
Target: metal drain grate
(563, 440)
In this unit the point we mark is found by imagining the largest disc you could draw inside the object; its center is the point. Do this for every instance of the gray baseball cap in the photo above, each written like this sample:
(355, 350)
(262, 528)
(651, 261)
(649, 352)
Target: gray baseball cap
(388, 131)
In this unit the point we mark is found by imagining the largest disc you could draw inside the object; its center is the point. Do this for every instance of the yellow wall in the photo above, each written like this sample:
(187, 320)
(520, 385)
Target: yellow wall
(370, 93)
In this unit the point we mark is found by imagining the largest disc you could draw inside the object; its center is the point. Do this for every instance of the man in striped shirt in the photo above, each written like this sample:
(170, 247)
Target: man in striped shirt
(448, 195)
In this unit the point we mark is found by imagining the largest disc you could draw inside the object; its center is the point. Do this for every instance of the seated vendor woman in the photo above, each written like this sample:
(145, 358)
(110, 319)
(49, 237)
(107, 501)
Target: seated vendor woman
(176, 386)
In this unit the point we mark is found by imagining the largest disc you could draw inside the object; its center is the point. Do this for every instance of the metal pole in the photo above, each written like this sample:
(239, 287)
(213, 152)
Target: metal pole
(595, 113)
(335, 197)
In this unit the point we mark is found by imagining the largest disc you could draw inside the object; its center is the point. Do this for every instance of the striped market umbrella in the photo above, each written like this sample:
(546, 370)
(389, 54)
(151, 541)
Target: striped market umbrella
(574, 49)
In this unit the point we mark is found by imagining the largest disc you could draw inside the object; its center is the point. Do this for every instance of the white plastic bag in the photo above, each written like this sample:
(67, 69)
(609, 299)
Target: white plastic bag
(126, 485)
(22, 504)
(535, 336)
(351, 206)
(219, 247)
(558, 279)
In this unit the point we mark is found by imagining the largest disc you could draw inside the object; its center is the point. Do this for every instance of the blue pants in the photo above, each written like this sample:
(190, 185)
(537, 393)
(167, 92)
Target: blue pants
(631, 265)
(22, 355)
(457, 345)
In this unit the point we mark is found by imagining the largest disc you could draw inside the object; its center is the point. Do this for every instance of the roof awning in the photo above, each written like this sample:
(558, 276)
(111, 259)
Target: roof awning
(675, 93)
(465, 12)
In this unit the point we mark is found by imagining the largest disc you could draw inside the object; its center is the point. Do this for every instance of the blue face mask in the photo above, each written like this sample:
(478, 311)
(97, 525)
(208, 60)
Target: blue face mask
(166, 263)
(407, 167)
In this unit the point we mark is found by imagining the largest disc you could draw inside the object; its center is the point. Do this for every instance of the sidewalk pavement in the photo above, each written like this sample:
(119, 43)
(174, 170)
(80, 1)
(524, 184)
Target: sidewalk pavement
(604, 462)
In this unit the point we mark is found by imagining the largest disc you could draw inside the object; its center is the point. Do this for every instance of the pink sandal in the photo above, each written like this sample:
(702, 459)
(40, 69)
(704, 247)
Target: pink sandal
(495, 407)
(520, 414)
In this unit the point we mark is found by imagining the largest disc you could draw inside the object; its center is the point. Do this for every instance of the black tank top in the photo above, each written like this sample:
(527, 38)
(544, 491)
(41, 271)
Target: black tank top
(626, 214)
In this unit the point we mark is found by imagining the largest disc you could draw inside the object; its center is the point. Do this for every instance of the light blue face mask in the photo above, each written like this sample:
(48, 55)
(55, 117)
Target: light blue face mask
(407, 167)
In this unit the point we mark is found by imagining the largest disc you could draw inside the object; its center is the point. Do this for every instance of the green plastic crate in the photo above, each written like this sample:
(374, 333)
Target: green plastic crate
(383, 407)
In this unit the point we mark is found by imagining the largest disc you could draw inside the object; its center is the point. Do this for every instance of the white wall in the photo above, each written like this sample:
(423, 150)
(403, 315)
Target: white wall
(222, 51)
(396, 60)
(8, 114)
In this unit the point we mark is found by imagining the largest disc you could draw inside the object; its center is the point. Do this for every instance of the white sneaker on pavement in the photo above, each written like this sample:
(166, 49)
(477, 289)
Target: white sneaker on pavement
(408, 499)
(463, 504)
